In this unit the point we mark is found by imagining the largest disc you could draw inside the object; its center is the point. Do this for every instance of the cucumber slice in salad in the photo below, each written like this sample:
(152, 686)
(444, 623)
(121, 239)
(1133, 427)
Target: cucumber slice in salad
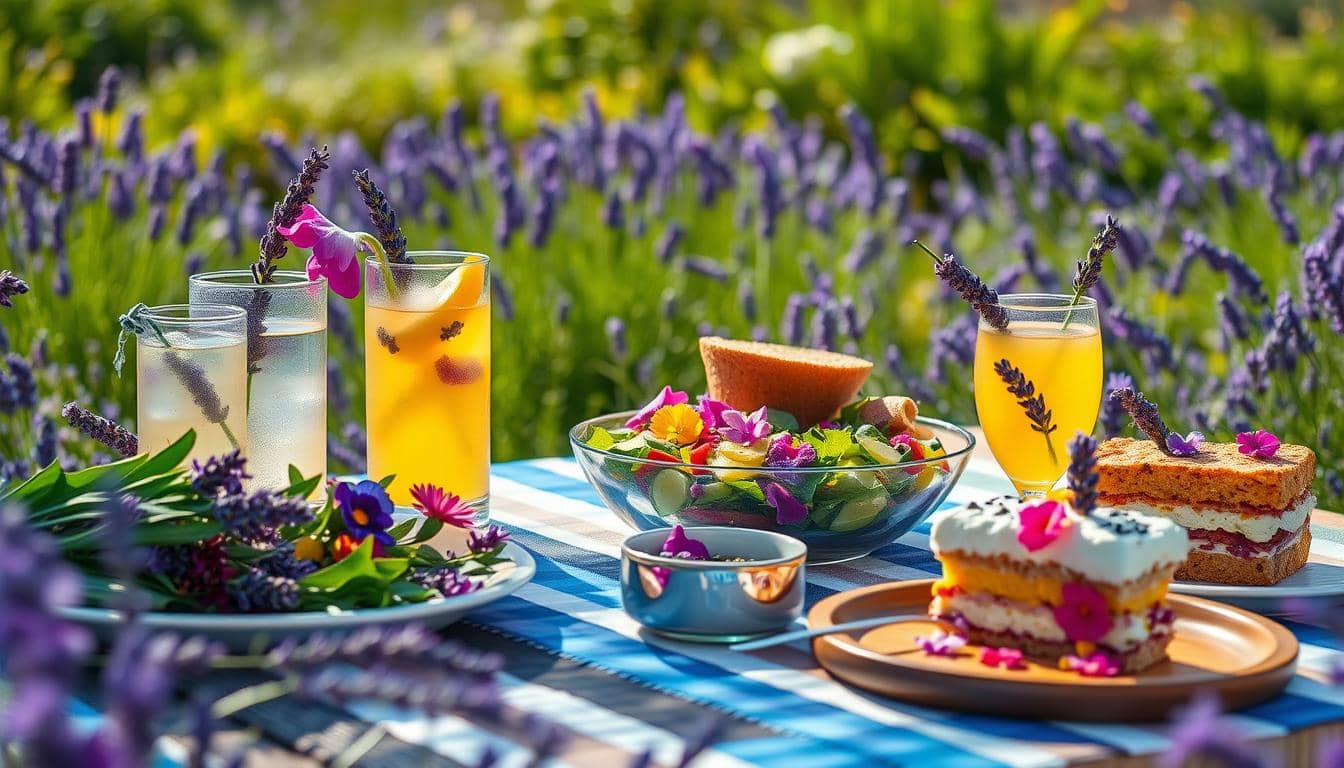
(859, 512)
(880, 451)
(670, 491)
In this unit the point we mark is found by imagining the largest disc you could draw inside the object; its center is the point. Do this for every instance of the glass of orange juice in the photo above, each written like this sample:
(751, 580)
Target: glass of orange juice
(427, 362)
(1056, 347)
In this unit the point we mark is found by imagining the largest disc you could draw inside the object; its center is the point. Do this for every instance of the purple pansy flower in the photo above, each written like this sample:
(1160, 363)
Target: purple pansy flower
(745, 428)
(940, 643)
(1184, 446)
(366, 510)
(711, 411)
(785, 452)
(1262, 444)
(667, 397)
(681, 546)
(788, 509)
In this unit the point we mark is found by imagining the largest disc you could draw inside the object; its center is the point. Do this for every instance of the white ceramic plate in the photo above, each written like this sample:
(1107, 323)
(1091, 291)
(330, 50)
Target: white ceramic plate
(1315, 581)
(240, 631)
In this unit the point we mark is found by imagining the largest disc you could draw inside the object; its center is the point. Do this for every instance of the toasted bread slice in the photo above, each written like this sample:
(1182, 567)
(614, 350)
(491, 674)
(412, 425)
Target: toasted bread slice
(1217, 475)
(811, 384)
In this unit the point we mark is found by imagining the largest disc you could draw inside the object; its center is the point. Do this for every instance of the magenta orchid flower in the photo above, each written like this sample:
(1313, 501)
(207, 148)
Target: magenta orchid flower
(1083, 613)
(711, 411)
(788, 509)
(334, 250)
(940, 643)
(1184, 446)
(745, 428)
(668, 396)
(1262, 444)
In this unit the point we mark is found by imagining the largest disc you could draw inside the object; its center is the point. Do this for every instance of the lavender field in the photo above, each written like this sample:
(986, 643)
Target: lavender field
(619, 237)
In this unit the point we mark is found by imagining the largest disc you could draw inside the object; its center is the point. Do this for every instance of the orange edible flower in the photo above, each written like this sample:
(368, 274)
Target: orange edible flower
(678, 424)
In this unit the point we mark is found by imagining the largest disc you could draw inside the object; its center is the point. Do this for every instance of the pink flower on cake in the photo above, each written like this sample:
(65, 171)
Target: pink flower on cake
(1008, 658)
(333, 249)
(668, 396)
(940, 643)
(1095, 664)
(1041, 522)
(1083, 614)
(1262, 444)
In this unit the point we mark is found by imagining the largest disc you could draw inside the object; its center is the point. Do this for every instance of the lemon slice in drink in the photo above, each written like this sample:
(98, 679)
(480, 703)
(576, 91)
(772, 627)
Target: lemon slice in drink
(426, 312)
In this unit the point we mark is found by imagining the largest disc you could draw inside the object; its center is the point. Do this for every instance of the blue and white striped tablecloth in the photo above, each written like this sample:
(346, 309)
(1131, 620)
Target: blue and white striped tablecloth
(792, 713)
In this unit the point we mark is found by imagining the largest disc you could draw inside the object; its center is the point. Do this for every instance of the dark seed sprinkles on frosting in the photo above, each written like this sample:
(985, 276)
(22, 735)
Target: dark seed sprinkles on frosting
(1121, 522)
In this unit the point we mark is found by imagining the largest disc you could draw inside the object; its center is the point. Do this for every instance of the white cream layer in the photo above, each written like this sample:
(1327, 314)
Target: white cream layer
(1037, 621)
(1111, 546)
(1258, 528)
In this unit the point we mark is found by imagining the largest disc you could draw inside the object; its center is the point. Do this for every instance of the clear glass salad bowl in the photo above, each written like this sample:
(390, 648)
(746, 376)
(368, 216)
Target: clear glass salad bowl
(853, 510)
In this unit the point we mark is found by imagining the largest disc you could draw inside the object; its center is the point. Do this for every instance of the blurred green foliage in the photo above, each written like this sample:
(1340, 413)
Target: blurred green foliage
(234, 69)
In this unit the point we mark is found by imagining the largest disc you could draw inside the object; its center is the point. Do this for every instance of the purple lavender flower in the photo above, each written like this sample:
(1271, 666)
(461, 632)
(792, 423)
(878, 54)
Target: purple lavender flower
(1198, 735)
(219, 475)
(1283, 217)
(1039, 417)
(1155, 348)
(972, 289)
(107, 432)
(282, 563)
(109, 89)
(825, 325)
(503, 296)
(613, 211)
(972, 144)
(131, 141)
(791, 325)
(666, 246)
(22, 382)
(769, 191)
(446, 580)
(259, 592)
(11, 285)
(44, 443)
(1141, 118)
(867, 249)
(1144, 414)
(615, 329)
(490, 540)
(1113, 415)
(1089, 269)
(1242, 277)
(254, 517)
(706, 267)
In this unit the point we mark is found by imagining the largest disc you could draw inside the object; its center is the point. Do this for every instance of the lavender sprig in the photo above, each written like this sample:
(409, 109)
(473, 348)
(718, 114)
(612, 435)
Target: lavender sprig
(105, 431)
(219, 474)
(203, 392)
(11, 285)
(1082, 472)
(981, 297)
(283, 214)
(254, 517)
(1144, 414)
(1089, 269)
(1033, 404)
(384, 218)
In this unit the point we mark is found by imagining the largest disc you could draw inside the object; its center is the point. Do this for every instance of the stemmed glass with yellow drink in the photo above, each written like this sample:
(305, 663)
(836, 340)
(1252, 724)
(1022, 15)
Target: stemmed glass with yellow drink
(427, 361)
(1055, 346)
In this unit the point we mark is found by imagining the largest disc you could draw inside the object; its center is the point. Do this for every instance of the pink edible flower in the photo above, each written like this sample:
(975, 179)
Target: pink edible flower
(711, 411)
(1008, 658)
(1262, 444)
(788, 510)
(334, 250)
(678, 544)
(940, 643)
(1041, 522)
(1083, 614)
(1095, 664)
(445, 507)
(667, 397)
(744, 428)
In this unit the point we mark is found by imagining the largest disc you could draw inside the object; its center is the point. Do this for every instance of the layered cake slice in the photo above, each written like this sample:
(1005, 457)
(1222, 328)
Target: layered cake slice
(1247, 516)
(1042, 578)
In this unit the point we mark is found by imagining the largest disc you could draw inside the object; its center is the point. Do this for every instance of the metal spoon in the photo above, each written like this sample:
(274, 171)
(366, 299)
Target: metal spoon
(806, 634)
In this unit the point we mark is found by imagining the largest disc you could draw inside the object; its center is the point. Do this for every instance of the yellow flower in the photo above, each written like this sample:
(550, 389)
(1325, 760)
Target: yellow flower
(678, 424)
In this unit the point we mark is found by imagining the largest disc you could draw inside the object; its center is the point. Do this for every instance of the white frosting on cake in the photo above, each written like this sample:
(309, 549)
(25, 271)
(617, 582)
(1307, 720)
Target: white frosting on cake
(1038, 621)
(1258, 528)
(1109, 545)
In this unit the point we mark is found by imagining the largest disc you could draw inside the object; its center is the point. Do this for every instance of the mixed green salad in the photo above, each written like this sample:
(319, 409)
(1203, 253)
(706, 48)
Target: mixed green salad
(761, 469)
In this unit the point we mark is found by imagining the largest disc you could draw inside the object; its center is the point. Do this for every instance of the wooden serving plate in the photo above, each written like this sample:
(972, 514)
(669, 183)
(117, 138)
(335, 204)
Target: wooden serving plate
(1243, 658)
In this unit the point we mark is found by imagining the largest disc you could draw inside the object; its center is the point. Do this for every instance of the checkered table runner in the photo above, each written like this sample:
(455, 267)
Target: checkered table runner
(624, 690)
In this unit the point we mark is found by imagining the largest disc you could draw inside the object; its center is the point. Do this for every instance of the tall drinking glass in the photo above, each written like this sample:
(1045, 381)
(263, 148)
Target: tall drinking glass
(191, 373)
(1057, 348)
(286, 369)
(427, 360)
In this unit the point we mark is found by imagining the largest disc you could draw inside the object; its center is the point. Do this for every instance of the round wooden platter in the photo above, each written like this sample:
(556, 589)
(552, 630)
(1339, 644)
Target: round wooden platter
(1242, 657)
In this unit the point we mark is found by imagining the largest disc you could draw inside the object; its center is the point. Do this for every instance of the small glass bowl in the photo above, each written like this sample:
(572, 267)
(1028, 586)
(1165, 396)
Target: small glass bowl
(715, 601)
